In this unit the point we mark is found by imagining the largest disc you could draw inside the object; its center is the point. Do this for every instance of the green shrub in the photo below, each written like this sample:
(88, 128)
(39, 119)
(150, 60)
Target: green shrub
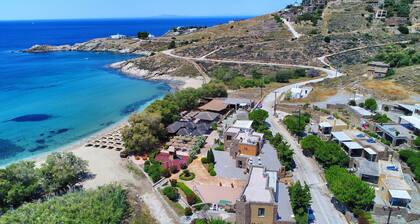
(397, 56)
(381, 118)
(192, 198)
(155, 170)
(204, 160)
(371, 104)
(187, 175)
(173, 182)
(107, 204)
(213, 173)
(327, 39)
(171, 193)
(220, 147)
(412, 158)
(143, 35)
(188, 211)
(172, 45)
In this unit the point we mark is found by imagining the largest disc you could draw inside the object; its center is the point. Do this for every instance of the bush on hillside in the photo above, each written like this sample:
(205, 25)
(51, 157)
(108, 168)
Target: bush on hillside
(107, 204)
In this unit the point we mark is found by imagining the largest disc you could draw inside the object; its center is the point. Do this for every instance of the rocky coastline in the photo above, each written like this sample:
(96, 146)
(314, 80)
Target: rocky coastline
(148, 66)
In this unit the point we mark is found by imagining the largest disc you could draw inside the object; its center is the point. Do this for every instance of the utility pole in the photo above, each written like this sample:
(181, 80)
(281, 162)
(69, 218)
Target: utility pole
(275, 102)
(299, 125)
(389, 215)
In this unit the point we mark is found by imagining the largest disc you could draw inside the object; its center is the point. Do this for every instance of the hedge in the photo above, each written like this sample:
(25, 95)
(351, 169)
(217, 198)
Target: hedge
(192, 198)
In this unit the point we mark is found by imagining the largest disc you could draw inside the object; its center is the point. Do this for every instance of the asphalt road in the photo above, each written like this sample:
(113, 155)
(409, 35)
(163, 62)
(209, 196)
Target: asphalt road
(307, 169)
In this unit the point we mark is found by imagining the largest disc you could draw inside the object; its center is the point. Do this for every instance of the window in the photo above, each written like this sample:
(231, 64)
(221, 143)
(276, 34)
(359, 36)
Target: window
(228, 137)
(261, 212)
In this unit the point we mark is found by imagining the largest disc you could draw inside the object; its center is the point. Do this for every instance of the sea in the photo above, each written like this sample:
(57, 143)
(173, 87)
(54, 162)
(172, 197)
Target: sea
(50, 100)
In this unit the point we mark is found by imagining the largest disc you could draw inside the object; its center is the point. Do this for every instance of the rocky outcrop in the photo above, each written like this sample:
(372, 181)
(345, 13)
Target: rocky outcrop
(157, 65)
(47, 48)
(131, 46)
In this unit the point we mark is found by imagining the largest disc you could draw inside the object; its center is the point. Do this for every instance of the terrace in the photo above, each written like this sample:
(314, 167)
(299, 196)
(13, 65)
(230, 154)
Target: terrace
(394, 133)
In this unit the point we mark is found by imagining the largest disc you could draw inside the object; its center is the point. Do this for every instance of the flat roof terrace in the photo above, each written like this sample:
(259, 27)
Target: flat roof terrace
(257, 189)
(365, 140)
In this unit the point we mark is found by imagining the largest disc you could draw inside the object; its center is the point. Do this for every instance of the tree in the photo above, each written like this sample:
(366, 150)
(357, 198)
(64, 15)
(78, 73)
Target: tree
(19, 183)
(349, 189)
(257, 75)
(172, 45)
(62, 170)
(403, 29)
(300, 199)
(143, 35)
(285, 154)
(331, 154)
(371, 104)
(210, 156)
(213, 90)
(295, 124)
(381, 118)
(258, 117)
(143, 132)
(327, 39)
(310, 143)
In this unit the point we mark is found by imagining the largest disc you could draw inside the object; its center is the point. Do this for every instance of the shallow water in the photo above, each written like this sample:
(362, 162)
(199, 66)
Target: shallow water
(71, 95)
(51, 100)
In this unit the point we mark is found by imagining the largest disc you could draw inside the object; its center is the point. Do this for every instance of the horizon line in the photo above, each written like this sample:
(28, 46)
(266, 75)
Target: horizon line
(122, 18)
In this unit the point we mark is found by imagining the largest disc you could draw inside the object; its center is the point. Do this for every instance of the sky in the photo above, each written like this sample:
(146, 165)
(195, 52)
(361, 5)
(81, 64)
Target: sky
(90, 9)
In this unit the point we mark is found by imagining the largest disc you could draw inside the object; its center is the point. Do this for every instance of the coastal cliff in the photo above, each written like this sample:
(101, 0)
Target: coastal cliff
(149, 65)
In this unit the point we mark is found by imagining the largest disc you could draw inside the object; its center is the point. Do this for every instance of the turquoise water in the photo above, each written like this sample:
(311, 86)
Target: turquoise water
(67, 96)
(51, 100)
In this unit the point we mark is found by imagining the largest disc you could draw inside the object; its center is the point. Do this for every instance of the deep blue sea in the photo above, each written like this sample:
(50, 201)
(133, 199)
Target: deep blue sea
(50, 100)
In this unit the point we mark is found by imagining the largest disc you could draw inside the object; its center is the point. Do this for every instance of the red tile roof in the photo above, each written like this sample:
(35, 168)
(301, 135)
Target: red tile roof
(168, 160)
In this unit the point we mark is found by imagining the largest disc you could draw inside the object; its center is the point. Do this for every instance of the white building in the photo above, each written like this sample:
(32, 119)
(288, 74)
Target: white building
(300, 92)
(118, 36)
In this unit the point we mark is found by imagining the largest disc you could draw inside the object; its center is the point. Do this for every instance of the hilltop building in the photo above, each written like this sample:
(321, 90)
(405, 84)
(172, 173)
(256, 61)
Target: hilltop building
(378, 69)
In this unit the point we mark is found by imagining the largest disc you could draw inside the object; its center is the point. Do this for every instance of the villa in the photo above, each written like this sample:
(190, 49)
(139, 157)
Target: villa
(392, 186)
(264, 200)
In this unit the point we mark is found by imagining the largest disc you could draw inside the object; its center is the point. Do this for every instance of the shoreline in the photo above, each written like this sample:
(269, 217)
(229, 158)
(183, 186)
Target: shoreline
(175, 83)
(79, 144)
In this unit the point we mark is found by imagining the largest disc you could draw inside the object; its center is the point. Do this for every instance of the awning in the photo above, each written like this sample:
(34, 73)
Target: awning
(215, 105)
(400, 194)
(341, 136)
(353, 145)
(370, 151)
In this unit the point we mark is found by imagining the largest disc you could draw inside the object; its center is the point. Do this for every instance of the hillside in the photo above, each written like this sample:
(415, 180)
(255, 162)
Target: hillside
(345, 31)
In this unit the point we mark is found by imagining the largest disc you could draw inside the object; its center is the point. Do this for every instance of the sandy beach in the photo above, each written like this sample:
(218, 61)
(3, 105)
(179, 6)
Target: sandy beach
(106, 164)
